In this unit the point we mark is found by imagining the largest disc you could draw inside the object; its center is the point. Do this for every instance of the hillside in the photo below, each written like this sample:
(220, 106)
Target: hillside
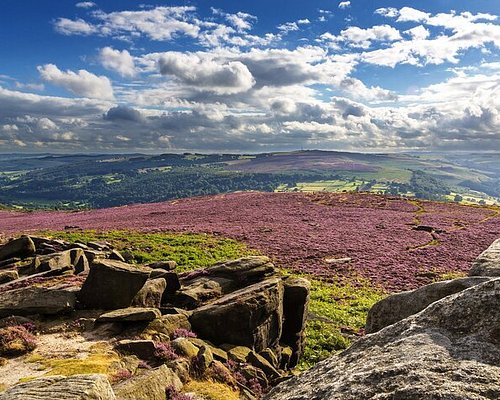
(393, 243)
(100, 181)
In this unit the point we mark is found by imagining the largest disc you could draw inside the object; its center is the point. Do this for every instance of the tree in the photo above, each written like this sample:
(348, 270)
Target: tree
(457, 198)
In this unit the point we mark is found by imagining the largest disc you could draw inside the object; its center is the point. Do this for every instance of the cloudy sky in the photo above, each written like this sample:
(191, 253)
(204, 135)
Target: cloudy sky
(249, 75)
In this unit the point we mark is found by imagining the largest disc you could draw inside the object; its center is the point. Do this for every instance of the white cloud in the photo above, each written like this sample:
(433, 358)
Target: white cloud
(119, 61)
(358, 37)
(304, 21)
(204, 73)
(38, 87)
(81, 83)
(241, 21)
(418, 33)
(288, 27)
(74, 27)
(85, 4)
(344, 4)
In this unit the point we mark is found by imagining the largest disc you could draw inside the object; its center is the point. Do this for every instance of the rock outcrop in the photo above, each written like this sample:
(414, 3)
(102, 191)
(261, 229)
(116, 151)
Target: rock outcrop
(250, 317)
(22, 247)
(76, 387)
(401, 305)
(488, 262)
(450, 350)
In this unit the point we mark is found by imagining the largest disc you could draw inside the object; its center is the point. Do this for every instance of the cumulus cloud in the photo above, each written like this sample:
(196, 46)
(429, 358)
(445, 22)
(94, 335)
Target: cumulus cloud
(344, 4)
(362, 37)
(123, 113)
(119, 61)
(205, 73)
(81, 83)
(74, 27)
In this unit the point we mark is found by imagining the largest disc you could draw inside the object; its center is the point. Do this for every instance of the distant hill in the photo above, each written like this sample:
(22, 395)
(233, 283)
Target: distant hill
(96, 181)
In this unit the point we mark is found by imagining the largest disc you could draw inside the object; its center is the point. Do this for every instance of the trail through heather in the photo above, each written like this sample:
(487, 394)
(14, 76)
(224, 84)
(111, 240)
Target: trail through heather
(310, 232)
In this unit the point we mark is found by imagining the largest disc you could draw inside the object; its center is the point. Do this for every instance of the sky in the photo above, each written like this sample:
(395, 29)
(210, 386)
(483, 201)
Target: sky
(249, 75)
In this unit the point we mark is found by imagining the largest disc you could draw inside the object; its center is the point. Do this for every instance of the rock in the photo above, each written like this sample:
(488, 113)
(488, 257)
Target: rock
(75, 387)
(250, 373)
(295, 305)
(15, 320)
(98, 246)
(286, 355)
(149, 385)
(488, 262)
(181, 367)
(184, 347)
(111, 285)
(204, 358)
(450, 350)
(162, 328)
(202, 286)
(8, 276)
(144, 349)
(22, 247)
(150, 294)
(260, 362)
(79, 260)
(130, 314)
(94, 255)
(36, 300)
(57, 261)
(116, 255)
(10, 261)
(218, 354)
(165, 265)
(237, 353)
(270, 356)
(401, 305)
(249, 317)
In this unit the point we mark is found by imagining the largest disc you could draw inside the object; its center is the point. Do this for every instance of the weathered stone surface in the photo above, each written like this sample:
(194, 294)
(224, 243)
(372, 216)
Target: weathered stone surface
(144, 349)
(488, 262)
(204, 358)
(237, 353)
(249, 317)
(8, 276)
(36, 300)
(218, 353)
(184, 347)
(79, 260)
(450, 350)
(162, 328)
(295, 305)
(260, 362)
(116, 255)
(165, 265)
(148, 386)
(130, 314)
(8, 262)
(57, 261)
(401, 305)
(22, 247)
(111, 285)
(76, 387)
(203, 286)
(150, 294)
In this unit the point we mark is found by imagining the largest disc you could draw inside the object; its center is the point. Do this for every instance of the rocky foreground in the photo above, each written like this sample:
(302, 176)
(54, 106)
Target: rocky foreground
(441, 341)
(153, 333)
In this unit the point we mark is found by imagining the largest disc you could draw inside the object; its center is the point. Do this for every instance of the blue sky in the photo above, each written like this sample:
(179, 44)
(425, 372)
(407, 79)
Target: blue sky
(249, 75)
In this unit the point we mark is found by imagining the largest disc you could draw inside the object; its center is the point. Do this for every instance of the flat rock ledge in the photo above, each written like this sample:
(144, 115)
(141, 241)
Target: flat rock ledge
(76, 387)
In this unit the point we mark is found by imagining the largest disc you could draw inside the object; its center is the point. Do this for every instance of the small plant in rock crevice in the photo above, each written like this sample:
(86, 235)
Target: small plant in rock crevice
(16, 340)
(165, 351)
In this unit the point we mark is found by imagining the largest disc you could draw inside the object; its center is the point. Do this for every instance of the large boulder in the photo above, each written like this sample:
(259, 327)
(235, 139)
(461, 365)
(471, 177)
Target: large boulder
(149, 385)
(250, 317)
(76, 387)
(450, 350)
(111, 285)
(22, 247)
(202, 286)
(8, 276)
(36, 300)
(401, 305)
(295, 305)
(488, 262)
(150, 294)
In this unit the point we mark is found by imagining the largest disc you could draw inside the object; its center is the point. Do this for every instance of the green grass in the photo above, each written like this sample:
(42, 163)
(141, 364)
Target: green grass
(333, 308)
(190, 251)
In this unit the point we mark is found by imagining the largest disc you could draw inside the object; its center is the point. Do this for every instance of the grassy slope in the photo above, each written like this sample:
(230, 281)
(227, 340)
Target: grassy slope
(338, 312)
